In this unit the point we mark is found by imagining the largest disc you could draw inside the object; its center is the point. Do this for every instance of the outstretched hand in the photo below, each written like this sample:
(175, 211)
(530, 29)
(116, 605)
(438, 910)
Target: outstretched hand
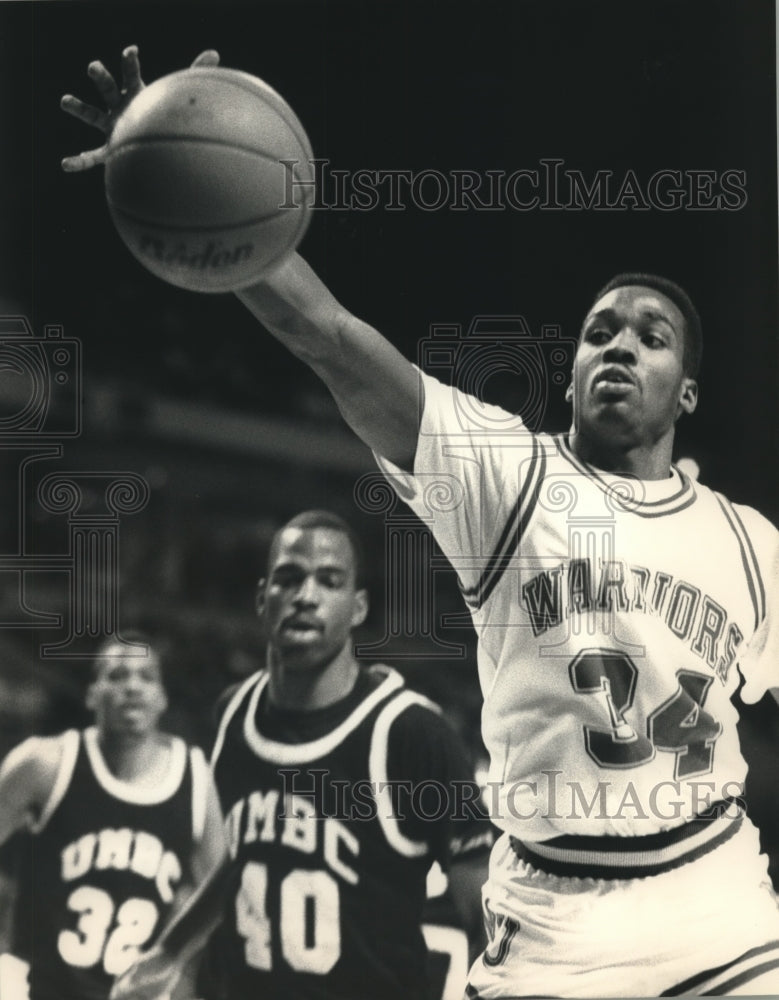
(153, 977)
(115, 99)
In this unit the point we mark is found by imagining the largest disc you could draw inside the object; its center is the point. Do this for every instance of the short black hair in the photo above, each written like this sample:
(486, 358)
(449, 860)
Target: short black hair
(320, 518)
(135, 637)
(693, 334)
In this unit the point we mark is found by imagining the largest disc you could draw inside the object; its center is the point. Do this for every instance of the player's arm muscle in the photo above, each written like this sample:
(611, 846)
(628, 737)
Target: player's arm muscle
(27, 778)
(208, 853)
(467, 875)
(189, 930)
(377, 389)
(157, 972)
(211, 849)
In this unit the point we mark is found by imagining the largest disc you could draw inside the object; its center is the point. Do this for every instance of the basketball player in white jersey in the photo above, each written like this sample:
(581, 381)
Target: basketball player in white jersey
(125, 821)
(619, 606)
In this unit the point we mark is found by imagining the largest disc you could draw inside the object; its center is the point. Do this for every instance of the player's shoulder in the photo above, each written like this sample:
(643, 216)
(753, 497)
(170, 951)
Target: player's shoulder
(760, 530)
(757, 523)
(400, 698)
(178, 748)
(415, 709)
(381, 681)
(225, 697)
(418, 720)
(38, 753)
(234, 693)
(465, 413)
(36, 761)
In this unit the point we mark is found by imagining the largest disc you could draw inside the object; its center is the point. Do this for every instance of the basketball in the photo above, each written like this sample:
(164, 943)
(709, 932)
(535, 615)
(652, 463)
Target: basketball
(209, 178)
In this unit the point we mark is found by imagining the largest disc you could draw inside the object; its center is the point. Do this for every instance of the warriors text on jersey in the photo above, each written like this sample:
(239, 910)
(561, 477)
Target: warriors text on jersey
(329, 859)
(614, 617)
(109, 857)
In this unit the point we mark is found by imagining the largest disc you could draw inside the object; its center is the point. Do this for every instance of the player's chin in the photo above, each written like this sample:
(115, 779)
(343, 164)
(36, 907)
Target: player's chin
(130, 731)
(302, 654)
(134, 724)
(613, 415)
(604, 400)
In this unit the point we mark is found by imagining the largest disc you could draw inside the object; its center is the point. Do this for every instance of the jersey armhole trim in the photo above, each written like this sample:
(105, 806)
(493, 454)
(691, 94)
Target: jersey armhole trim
(200, 774)
(232, 707)
(505, 549)
(749, 560)
(70, 742)
(377, 767)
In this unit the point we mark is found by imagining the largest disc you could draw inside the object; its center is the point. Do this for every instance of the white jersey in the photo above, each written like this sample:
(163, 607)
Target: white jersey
(614, 617)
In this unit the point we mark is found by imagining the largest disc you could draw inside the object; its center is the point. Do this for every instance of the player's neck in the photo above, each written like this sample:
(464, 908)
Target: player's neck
(137, 758)
(643, 460)
(310, 688)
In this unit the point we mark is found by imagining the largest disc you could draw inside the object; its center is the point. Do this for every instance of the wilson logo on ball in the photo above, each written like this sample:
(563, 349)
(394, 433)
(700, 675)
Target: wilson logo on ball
(214, 254)
(197, 178)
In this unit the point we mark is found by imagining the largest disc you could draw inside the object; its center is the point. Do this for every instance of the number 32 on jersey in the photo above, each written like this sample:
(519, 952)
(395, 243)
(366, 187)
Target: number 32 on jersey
(116, 936)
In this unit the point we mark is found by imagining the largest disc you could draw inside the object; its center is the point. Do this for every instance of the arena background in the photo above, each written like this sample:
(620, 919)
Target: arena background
(231, 434)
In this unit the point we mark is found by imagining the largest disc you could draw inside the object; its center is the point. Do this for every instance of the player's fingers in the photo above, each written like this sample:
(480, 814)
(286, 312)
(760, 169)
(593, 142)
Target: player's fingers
(131, 70)
(208, 58)
(105, 83)
(84, 112)
(84, 161)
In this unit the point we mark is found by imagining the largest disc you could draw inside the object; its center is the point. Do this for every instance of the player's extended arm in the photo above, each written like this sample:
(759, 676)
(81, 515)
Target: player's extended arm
(157, 971)
(27, 777)
(377, 389)
(209, 852)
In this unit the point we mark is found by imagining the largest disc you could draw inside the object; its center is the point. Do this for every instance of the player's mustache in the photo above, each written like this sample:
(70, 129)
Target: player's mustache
(301, 621)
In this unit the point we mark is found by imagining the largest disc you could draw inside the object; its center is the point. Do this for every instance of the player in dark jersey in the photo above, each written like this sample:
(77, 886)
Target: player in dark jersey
(125, 821)
(340, 788)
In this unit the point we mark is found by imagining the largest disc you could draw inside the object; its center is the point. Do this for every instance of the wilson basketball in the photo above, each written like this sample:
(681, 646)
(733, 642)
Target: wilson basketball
(209, 178)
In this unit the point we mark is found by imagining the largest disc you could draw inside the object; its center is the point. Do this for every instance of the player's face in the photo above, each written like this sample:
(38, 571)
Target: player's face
(310, 602)
(127, 696)
(628, 379)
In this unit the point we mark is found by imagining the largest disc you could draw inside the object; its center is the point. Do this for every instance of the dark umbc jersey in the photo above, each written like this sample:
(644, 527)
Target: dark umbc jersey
(331, 835)
(107, 860)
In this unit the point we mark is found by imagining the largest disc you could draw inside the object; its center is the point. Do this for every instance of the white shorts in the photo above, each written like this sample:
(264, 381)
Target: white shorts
(708, 927)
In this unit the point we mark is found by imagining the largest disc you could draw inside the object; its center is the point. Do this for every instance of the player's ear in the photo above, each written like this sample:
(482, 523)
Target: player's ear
(360, 608)
(688, 396)
(90, 698)
(259, 595)
(569, 392)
